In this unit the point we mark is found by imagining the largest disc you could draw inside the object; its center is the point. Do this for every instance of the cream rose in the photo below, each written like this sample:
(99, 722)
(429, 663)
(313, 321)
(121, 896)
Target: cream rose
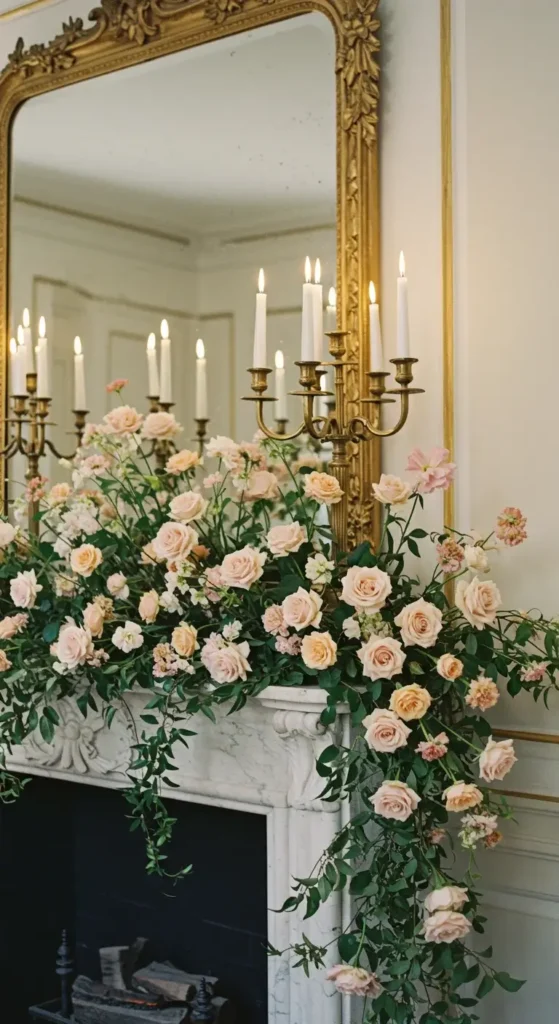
(5, 662)
(496, 760)
(476, 558)
(183, 640)
(323, 487)
(319, 651)
(118, 586)
(354, 981)
(395, 800)
(366, 589)
(7, 534)
(174, 541)
(181, 462)
(302, 609)
(123, 420)
(410, 702)
(446, 926)
(384, 731)
(382, 657)
(242, 568)
(160, 426)
(227, 664)
(24, 589)
(420, 623)
(448, 897)
(390, 490)
(10, 625)
(85, 559)
(261, 484)
(74, 645)
(285, 539)
(188, 506)
(148, 608)
(461, 796)
(93, 618)
(449, 667)
(478, 601)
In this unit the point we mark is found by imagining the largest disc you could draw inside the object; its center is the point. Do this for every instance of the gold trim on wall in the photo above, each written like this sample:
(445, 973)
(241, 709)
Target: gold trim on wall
(525, 736)
(124, 33)
(447, 242)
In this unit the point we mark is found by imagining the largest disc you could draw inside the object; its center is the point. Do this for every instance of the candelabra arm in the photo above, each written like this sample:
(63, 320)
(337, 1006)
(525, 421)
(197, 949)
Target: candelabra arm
(360, 427)
(272, 434)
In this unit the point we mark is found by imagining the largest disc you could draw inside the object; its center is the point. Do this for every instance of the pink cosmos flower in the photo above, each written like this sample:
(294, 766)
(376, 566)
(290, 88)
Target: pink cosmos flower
(117, 385)
(434, 470)
(511, 526)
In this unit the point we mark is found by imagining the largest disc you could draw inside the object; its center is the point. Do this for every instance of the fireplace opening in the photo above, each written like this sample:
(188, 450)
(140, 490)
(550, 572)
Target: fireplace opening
(68, 860)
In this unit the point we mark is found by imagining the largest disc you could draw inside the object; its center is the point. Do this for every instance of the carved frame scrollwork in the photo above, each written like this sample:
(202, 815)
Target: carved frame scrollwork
(122, 33)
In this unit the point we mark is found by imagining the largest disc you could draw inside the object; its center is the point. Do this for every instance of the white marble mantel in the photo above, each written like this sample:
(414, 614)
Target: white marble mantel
(259, 760)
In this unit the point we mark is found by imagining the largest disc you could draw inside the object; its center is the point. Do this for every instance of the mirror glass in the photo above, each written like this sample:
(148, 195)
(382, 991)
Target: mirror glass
(157, 193)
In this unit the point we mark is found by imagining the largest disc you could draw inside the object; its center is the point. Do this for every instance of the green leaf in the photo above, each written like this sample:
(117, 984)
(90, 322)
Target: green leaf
(348, 946)
(52, 715)
(509, 984)
(471, 644)
(46, 728)
(50, 632)
(486, 986)
(410, 868)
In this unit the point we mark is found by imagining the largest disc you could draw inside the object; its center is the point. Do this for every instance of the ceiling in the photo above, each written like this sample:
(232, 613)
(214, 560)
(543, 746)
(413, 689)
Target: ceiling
(235, 135)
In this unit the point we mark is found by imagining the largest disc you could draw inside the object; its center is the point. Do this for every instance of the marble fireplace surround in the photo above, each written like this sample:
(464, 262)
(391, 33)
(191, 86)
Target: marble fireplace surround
(260, 760)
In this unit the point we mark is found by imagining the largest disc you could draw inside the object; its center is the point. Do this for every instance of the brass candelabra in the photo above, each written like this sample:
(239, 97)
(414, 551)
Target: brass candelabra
(164, 448)
(336, 427)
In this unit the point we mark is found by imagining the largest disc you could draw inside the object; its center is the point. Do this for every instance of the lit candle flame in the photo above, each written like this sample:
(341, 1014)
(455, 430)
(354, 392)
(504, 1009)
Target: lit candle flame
(372, 293)
(317, 272)
(20, 338)
(77, 346)
(332, 298)
(13, 346)
(261, 281)
(307, 270)
(164, 329)
(402, 265)
(42, 327)
(279, 360)
(151, 342)
(26, 320)
(200, 349)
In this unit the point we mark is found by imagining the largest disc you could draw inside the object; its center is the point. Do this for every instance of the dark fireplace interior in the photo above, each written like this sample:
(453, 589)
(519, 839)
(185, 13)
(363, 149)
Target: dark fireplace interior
(68, 860)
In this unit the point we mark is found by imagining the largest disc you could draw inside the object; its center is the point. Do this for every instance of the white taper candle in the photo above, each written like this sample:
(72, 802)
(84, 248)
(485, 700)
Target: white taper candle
(375, 338)
(281, 396)
(402, 323)
(153, 372)
(307, 325)
(79, 377)
(201, 382)
(259, 351)
(43, 383)
(165, 390)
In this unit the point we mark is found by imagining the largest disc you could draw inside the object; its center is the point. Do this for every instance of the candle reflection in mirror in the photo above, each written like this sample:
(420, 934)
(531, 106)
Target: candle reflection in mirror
(165, 393)
(79, 377)
(281, 394)
(153, 372)
(43, 383)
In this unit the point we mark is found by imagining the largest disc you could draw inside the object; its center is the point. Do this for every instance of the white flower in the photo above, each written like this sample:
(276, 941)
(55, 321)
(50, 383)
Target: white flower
(319, 569)
(7, 533)
(476, 558)
(128, 637)
(118, 587)
(24, 589)
(170, 602)
(232, 630)
(351, 628)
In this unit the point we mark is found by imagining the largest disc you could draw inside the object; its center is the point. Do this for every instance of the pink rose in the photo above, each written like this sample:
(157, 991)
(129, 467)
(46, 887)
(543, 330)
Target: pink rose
(446, 926)
(395, 800)
(434, 471)
(461, 796)
(390, 490)
(433, 749)
(174, 541)
(448, 897)
(181, 462)
(93, 618)
(354, 981)
(478, 601)
(10, 625)
(228, 663)
(420, 623)
(148, 608)
(385, 732)
(496, 760)
(285, 539)
(242, 568)
(324, 488)
(261, 484)
(188, 506)
(319, 651)
(24, 589)
(382, 657)
(123, 420)
(273, 620)
(302, 609)
(160, 426)
(449, 667)
(74, 645)
(366, 589)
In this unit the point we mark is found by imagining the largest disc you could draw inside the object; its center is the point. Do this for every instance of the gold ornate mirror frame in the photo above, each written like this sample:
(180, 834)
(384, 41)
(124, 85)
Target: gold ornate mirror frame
(123, 33)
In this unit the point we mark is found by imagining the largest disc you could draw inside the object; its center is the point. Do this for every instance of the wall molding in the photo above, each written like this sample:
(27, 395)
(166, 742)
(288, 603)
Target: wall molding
(447, 242)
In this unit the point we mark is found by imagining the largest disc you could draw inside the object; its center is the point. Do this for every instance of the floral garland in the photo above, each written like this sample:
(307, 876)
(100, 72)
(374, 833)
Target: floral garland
(204, 593)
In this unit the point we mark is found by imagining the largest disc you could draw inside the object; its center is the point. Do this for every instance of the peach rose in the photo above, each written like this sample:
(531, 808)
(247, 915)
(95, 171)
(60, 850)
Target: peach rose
(287, 538)
(5, 662)
(148, 608)
(161, 426)
(449, 667)
(482, 693)
(261, 484)
(446, 926)
(174, 542)
(226, 664)
(183, 640)
(93, 618)
(181, 462)
(123, 420)
(24, 589)
(242, 568)
(390, 490)
(448, 897)
(496, 760)
(410, 702)
(7, 533)
(319, 651)
(461, 796)
(85, 559)
(354, 981)
(118, 587)
(10, 625)
(323, 487)
(74, 645)
(384, 731)
(366, 589)
(302, 609)
(188, 506)
(395, 800)
(382, 657)
(420, 623)
(478, 601)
